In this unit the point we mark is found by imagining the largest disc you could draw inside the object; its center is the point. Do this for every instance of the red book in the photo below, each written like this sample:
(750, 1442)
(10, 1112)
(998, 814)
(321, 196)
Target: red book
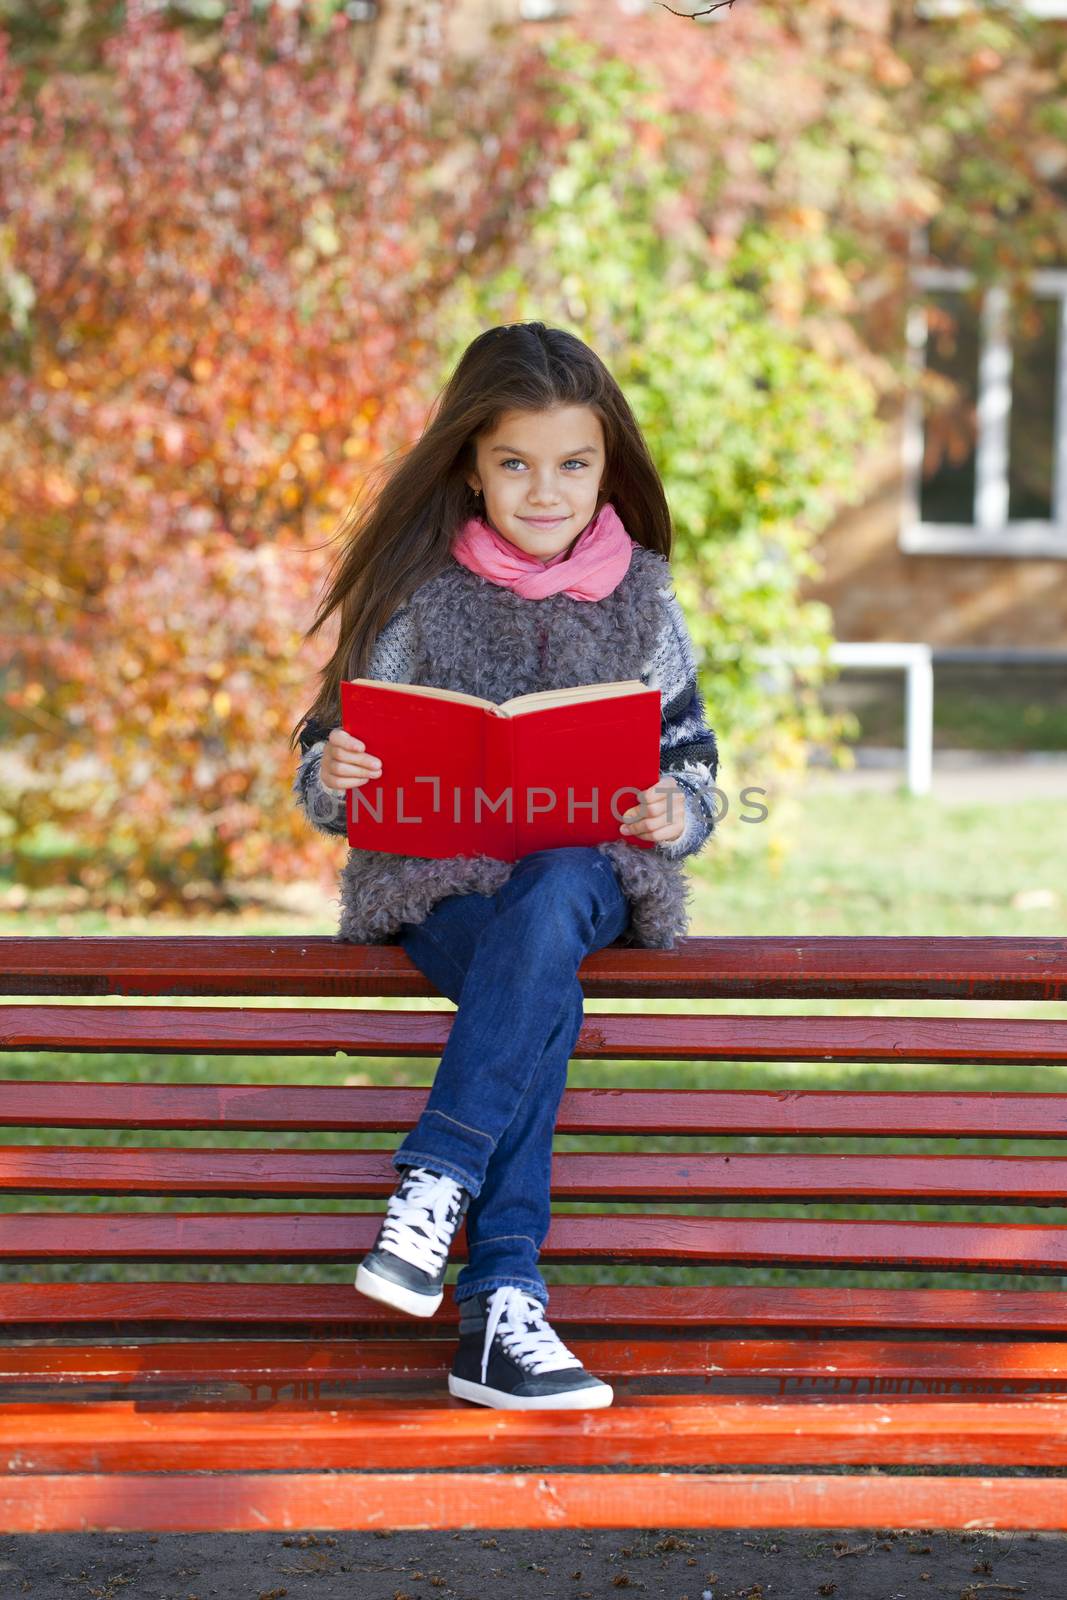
(464, 776)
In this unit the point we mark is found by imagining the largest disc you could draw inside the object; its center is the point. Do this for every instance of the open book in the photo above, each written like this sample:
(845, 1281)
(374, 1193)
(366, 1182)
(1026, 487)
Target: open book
(464, 776)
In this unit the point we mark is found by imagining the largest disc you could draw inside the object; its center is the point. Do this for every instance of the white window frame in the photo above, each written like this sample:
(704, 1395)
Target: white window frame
(1050, 9)
(543, 10)
(991, 534)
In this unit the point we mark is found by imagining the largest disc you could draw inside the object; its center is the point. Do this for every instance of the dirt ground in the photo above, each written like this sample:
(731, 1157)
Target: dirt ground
(552, 1565)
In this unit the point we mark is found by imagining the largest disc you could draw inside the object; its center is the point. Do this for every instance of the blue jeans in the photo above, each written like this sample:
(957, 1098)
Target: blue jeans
(509, 961)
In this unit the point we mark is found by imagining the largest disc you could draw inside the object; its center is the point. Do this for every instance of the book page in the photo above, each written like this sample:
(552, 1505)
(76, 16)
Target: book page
(519, 703)
(430, 693)
(575, 696)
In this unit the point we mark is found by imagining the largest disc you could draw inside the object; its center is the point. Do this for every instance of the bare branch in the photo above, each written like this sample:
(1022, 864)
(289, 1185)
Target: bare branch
(692, 15)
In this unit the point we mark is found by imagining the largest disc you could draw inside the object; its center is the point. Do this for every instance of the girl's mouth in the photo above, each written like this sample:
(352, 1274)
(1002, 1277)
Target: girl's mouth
(544, 522)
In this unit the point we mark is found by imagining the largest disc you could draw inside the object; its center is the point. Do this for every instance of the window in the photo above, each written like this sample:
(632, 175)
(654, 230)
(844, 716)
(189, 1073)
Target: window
(985, 459)
(955, 8)
(542, 10)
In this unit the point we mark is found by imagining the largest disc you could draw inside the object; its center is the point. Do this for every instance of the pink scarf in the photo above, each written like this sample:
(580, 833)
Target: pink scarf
(597, 562)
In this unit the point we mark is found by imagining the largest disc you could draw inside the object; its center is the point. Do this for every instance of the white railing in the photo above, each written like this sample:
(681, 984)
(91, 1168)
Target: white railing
(915, 661)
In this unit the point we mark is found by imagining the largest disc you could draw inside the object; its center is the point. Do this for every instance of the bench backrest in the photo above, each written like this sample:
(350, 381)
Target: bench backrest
(762, 1331)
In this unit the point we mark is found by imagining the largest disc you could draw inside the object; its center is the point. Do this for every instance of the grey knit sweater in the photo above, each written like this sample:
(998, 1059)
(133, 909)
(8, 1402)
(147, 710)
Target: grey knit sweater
(460, 631)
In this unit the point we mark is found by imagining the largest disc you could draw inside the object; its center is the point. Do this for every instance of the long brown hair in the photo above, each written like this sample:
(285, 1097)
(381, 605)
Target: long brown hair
(404, 535)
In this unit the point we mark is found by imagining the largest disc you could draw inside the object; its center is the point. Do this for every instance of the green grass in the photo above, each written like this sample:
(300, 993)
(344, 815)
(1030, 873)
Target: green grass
(876, 863)
(989, 714)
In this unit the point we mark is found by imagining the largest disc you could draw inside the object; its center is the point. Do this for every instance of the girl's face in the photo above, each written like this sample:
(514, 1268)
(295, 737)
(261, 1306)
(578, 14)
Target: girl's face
(540, 473)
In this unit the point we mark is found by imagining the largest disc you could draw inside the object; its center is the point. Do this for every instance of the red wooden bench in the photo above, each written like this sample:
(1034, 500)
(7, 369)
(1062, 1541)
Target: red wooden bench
(285, 1405)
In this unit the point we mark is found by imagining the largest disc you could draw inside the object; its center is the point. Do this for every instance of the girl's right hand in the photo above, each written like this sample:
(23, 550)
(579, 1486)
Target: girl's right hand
(345, 762)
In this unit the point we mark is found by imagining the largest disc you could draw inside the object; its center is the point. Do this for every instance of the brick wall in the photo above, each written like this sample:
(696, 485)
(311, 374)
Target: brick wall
(876, 591)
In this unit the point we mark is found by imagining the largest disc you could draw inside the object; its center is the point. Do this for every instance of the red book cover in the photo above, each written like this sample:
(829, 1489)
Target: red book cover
(463, 776)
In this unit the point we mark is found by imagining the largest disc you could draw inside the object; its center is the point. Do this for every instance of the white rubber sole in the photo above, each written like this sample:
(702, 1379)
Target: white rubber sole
(375, 1287)
(576, 1400)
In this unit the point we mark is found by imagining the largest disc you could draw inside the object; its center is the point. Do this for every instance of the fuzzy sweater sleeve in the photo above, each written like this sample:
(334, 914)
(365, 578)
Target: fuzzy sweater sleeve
(688, 748)
(392, 661)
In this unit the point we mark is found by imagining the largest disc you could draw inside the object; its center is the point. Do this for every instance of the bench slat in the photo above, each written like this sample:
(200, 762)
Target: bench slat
(249, 1502)
(830, 966)
(845, 1362)
(908, 1113)
(639, 1430)
(90, 1169)
(155, 1030)
(330, 1307)
(615, 1237)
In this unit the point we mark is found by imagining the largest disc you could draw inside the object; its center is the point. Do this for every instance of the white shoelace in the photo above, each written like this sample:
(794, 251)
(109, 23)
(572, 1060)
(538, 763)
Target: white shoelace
(429, 1204)
(538, 1348)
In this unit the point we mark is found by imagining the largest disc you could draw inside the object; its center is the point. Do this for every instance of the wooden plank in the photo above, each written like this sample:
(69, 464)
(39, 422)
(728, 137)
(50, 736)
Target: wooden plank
(849, 1364)
(80, 1103)
(278, 1173)
(276, 1031)
(830, 966)
(251, 1502)
(338, 1308)
(311, 1236)
(123, 1435)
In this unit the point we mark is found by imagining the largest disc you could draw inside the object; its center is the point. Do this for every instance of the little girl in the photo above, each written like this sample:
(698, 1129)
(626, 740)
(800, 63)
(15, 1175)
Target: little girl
(521, 544)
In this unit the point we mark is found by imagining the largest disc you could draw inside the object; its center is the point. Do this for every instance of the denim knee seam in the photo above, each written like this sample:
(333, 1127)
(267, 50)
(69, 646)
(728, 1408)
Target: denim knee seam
(498, 1236)
(431, 1111)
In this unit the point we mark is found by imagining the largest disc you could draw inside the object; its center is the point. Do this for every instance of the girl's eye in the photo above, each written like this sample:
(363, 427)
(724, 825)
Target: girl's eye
(573, 459)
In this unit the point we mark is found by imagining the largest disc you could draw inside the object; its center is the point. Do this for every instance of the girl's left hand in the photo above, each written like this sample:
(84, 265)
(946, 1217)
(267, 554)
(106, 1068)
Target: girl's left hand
(659, 814)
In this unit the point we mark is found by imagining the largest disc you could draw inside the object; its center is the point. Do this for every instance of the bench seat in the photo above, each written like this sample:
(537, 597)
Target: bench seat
(132, 1403)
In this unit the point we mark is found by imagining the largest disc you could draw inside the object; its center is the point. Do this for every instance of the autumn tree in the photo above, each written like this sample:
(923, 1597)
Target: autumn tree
(233, 282)
(220, 284)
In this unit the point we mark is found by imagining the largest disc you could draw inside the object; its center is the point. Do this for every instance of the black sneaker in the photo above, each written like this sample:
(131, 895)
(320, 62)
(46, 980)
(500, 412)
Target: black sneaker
(406, 1267)
(509, 1357)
